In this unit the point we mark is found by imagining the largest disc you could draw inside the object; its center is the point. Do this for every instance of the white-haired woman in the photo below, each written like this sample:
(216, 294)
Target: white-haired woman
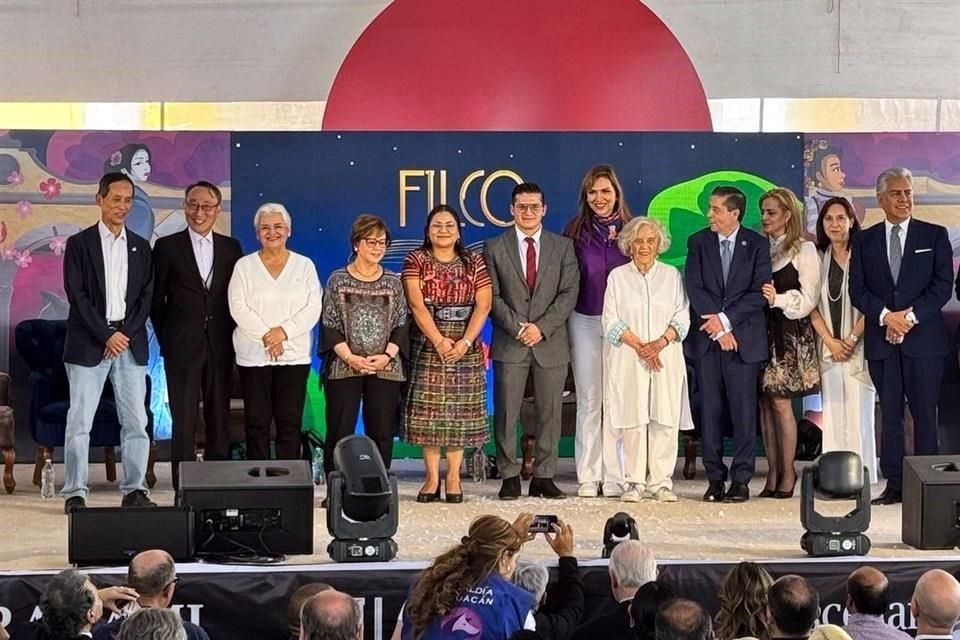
(645, 402)
(275, 299)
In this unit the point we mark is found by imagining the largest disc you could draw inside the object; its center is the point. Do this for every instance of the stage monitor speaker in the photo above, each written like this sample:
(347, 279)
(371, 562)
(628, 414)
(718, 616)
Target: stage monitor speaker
(931, 501)
(112, 535)
(256, 506)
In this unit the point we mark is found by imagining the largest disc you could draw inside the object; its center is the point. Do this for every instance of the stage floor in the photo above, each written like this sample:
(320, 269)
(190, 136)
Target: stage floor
(33, 531)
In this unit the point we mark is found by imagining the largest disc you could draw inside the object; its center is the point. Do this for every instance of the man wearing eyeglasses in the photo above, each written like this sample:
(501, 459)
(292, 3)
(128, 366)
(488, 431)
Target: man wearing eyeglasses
(153, 575)
(192, 320)
(535, 284)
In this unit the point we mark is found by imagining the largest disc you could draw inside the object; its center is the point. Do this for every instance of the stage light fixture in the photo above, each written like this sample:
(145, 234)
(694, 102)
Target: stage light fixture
(837, 475)
(619, 527)
(362, 511)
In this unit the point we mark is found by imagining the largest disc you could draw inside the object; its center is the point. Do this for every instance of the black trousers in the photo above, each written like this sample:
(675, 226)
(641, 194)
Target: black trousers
(206, 378)
(343, 398)
(274, 393)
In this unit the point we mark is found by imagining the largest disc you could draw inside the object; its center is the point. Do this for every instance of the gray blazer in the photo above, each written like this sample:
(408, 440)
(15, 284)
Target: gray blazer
(554, 297)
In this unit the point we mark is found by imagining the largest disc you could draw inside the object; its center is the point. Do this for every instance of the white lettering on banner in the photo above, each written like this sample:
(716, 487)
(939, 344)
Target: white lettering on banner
(37, 614)
(5, 617)
(898, 615)
(435, 190)
(377, 615)
(194, 610)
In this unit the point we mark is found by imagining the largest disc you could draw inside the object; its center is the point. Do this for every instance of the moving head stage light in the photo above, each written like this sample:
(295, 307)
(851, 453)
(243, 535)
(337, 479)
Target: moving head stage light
(837, 475)
(619, 527)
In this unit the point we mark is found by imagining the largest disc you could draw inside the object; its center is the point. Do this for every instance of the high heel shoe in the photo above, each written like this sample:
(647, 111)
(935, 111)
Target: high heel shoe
(429, 497)
(783, 495)
(767, 493)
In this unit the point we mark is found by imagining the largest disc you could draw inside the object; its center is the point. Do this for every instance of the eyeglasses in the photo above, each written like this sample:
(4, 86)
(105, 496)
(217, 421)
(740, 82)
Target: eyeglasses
(373, 243)
(532, 208)
(205, 208)
(174, 581)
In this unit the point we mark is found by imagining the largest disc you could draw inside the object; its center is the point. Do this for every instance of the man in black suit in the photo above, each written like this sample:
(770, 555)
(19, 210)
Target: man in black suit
(727, 264)
(192, 319)
(108, 278)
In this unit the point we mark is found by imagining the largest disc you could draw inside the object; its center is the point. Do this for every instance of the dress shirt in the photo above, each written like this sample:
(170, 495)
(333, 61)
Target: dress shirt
(114, 271)
(887, 230)
(727, 328)
(522, 245)
(862, 626)
(203, 252)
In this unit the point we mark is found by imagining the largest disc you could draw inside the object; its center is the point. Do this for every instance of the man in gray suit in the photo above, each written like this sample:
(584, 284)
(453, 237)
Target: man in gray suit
(535, 283)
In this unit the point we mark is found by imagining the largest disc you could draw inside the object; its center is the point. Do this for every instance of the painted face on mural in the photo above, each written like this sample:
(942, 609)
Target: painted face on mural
(897, 200)
(602, 197)
(722, 220)
(528, 211)
(830, 176)
(201, 209)
(115, 206)
(140, 165)
(773, 218)
(272, 231)
(443, 231)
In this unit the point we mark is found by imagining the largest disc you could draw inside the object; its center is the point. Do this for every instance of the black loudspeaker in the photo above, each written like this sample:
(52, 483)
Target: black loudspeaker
(931, 501)
(250, 507)
(113, 535)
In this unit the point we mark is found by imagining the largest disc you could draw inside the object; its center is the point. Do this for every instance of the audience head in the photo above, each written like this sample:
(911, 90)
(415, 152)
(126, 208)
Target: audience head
(868, 591)
(793, 607)
(153, 575)
(644, 607)
(829, 632)
(526, 634)
(295, 604)
(743, 602)
(70, 604)
(331, 615)
(936, 603)
(153, 624)
(680, 619)
(532, 577)
(632, 565)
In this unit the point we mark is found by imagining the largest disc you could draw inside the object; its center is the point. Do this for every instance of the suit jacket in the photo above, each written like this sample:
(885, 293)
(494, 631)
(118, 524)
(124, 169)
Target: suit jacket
(553, 299)
(83, 280)
(610, 626)
(184, 311)
(740, 299)
(924, 283)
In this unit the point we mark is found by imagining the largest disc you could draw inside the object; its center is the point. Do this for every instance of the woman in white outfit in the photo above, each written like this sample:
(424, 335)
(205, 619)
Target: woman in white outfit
(848, 392)
(645, 403)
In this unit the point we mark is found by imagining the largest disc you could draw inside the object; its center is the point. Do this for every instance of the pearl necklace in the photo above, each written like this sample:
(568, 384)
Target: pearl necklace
(839, 295)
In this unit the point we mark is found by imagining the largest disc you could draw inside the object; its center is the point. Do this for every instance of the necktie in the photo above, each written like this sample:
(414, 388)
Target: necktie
(896, 252)
(725, 255)
(531, 265)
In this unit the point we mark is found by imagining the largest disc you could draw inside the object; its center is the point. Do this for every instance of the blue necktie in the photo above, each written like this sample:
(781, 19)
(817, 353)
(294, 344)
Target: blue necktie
(725, 255)
(896, 252)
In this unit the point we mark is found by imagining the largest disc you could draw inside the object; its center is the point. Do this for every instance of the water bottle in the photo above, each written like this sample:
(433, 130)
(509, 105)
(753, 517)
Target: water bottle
(319, 477)
(477, 465)
(200, 456)
(49, 480)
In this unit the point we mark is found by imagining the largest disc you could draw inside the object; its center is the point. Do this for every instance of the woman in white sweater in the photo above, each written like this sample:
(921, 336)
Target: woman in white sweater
(275, 299)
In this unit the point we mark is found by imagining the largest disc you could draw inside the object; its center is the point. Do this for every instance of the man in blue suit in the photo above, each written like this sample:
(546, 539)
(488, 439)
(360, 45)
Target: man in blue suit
(901, 273)
(727, 265)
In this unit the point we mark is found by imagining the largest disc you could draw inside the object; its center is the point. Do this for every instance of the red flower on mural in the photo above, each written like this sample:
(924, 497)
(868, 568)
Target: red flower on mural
(50, 188)
(24, 209)
(15, 178)
(24, 259)
(58, 244)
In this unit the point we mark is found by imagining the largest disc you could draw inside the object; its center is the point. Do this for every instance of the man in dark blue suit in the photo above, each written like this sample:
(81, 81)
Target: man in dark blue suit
(900, 277)
(108, 279)
(727, 265)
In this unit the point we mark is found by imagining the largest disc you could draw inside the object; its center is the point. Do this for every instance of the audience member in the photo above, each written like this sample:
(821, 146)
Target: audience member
(868, 596)
(829, 632)
(526, 634)
(295, 604)
(331, 615)
(153, 624)
(680, 619)
(743, 603)
(936, 605)
(644, 607)
(792, 608)
(154, 577)
(632, 565)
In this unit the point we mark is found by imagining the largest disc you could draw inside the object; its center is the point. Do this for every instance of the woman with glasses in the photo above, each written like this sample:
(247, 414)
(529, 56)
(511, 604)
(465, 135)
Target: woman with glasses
(363, 334)
(793, 369)
(449, 293)
(275, 299)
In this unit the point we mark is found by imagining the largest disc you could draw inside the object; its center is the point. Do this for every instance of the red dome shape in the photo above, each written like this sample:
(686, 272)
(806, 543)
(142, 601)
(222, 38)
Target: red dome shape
(517, 65)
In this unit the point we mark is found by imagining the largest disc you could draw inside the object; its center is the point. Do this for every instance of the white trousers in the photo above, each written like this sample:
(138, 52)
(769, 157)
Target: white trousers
(586, 354)
(649, 455)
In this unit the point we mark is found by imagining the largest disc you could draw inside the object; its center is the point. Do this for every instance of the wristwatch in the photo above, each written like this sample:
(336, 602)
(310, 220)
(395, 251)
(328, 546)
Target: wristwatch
(854, 338)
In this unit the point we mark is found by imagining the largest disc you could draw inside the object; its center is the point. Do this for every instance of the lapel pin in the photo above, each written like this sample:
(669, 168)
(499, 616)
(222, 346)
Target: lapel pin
(134, 249)
(743, 243)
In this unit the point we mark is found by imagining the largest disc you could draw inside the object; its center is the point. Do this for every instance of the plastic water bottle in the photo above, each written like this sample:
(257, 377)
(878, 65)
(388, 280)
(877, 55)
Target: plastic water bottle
(49, 480)
(319, 477)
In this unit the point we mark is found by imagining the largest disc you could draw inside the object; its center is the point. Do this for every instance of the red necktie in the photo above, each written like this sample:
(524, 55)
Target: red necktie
(531, 265)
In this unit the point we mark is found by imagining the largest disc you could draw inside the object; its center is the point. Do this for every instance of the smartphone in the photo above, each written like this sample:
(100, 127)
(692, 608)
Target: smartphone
(543, 524)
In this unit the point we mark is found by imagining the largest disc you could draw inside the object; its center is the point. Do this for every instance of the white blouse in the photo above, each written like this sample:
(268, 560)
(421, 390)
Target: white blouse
(798, 303)
(258, 303)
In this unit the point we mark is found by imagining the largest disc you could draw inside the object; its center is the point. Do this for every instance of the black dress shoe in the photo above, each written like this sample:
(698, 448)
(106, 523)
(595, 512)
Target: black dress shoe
(544, 488)
(714, 492)
(325, 503)
(510, 489)
(430, 497)
(738, 492)
(889, 496)
(137, 498)
(74, 504)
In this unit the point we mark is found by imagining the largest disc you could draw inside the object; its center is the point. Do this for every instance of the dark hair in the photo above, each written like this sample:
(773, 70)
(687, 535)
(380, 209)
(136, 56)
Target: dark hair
(320, 623)
(525, 634)
(527, 187)
(733, 198)
(680, 619)
(582, 217)
(823, 242)
(460, 249)
(364, 226)
(127, 151)
(793, 605)
(644, 606)
(65, 604)
(149, 579)
(203, 184)
(872, 599)
(109, 179)
(816, 162)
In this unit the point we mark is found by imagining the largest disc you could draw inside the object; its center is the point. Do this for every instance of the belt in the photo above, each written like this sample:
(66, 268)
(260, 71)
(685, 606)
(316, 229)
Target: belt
(453, 313)
(116, 325)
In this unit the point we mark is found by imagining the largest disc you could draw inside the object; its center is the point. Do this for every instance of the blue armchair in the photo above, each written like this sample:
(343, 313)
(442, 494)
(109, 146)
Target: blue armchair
(40, 344)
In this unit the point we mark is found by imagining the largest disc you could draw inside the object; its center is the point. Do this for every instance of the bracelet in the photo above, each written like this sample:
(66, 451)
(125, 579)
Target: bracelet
(854, 338)
(468, 342)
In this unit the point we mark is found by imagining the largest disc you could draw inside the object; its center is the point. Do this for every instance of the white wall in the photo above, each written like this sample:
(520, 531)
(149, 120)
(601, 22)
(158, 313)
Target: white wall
(290, 50)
